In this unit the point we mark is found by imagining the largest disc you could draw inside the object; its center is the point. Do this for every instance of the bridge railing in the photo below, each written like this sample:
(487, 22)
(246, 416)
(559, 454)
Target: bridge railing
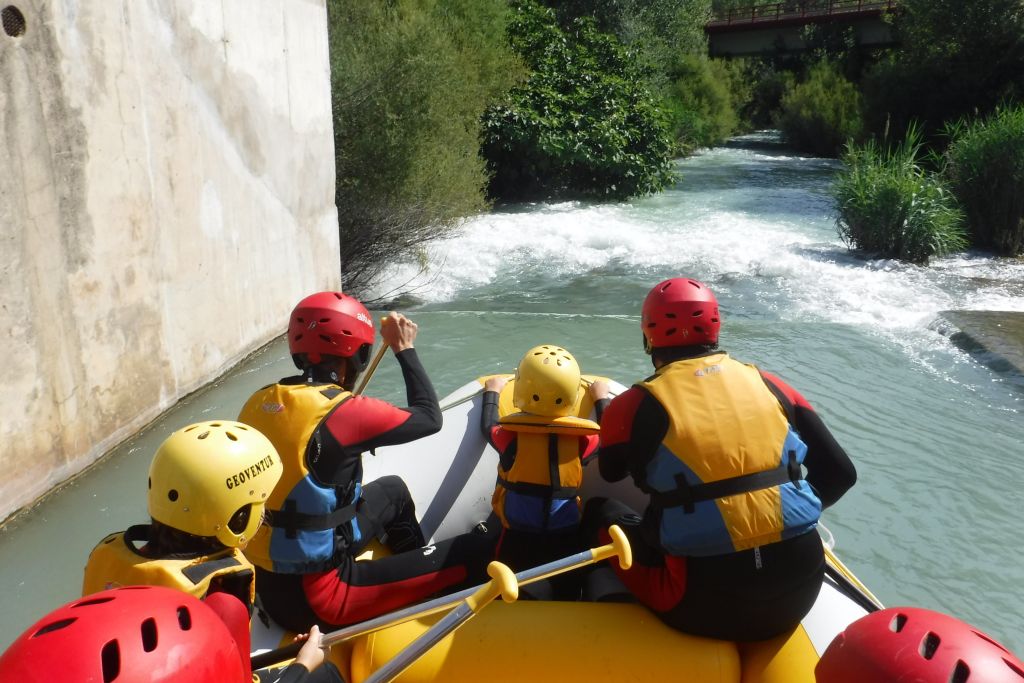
(810, 9)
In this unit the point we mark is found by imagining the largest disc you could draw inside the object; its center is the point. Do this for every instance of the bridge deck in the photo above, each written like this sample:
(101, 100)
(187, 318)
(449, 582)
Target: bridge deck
(785, 13)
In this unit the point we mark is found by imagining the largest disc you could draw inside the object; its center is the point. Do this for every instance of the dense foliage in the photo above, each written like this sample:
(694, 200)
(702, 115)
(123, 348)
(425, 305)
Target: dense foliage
(410, 80)
(584, 124)
(956, 59)
(986, 173)
(891, 207)
(819, 115)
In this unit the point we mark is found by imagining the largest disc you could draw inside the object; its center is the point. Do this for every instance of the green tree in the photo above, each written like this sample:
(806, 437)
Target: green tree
(700, 102)
(410, 80)
(956, 59)
(985, 170)
(583, 124)
(822, 113)
(667, 44)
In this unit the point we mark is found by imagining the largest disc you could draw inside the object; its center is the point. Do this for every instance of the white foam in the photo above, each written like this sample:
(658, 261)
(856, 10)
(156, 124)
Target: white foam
(790, 255)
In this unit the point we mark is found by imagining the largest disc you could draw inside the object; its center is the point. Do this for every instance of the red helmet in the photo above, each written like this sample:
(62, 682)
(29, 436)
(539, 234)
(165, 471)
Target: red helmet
(680, 312)
(903, 644)
(136, 634)
(331, 324)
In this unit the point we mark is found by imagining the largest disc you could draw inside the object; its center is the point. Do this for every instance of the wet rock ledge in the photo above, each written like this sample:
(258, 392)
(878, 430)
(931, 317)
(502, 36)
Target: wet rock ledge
(996, 338)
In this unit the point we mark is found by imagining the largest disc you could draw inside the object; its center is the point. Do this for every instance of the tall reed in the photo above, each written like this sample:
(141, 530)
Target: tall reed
(891, 207)
(985, 168)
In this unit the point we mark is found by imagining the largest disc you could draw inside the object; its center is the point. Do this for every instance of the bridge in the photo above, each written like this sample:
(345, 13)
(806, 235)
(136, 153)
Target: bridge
(778, 27)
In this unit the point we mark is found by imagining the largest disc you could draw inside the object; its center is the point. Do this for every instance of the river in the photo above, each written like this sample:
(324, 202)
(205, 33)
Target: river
(936, 436)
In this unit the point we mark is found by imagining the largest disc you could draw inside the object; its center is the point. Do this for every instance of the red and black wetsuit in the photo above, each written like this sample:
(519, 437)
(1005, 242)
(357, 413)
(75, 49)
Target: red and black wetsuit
(524, 549)
(356, 591)
(746, 595)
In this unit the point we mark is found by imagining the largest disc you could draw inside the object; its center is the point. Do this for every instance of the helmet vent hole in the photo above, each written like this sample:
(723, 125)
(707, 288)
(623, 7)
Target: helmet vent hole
(897, 623)
(671, 316)
(150, 483)
(669, 333)
(325, 338)
(110, 657)
(149, 634)
(929, 645)
(651, 326)
(184, 618)
(231, 436)
(172, 495)
(697, 314)
(325, 320)
(536, 397)
(984, 637)
(54, 626)
(298, 337)
(558, 401)
(88, 603)
(1013, 667)
(961, 672)
(204, 435)
(698, 329)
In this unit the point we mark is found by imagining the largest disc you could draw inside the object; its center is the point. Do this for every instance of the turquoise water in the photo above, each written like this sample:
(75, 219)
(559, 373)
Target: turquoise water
(936, 436)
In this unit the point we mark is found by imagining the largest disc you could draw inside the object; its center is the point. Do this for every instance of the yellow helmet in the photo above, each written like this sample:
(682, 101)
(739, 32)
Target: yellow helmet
(213, 479)
(547, 382)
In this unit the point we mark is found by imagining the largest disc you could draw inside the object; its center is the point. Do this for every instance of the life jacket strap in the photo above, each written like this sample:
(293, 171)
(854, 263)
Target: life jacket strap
(293, 521)
(687, 495)
(538, 490)
(198, 572)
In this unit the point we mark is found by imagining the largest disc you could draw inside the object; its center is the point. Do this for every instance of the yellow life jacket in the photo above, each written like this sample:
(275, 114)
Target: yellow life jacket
(117, 561)
(539, 492)
(298, 535)
(727, 475)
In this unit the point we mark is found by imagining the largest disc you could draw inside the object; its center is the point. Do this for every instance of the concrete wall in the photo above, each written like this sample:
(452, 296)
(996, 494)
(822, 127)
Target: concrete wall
(166, 196)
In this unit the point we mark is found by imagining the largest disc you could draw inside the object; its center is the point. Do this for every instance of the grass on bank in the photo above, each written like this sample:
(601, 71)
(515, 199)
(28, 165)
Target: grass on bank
(890, 207)
(985, 170)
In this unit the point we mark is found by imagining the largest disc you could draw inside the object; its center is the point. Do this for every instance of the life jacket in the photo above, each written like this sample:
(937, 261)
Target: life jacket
(728, 474)
(118, 561)
(299, 533)
(540, 491)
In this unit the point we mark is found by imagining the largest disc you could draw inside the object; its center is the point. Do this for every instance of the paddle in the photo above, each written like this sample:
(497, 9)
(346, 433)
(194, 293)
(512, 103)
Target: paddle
(381, 350)
(619, 547)
(503, 582)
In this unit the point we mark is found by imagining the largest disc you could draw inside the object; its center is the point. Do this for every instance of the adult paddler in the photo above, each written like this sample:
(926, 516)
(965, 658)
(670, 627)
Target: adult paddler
(322, 515)
(727, 547)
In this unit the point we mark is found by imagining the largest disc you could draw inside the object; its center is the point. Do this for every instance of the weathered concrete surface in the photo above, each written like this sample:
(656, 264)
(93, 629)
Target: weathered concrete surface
(166, 196)
(997, 337)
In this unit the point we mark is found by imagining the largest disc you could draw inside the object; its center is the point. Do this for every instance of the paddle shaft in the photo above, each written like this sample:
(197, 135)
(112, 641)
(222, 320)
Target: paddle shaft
(619, 547)
(365, 379)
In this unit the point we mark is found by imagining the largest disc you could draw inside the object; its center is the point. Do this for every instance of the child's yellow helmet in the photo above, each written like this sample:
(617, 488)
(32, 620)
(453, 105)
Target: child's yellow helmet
(547, 382)
(206, 473)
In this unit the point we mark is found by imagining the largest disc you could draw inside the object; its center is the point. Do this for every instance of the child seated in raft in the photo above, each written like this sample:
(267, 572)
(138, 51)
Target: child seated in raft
(542, 451)
(208, 485)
